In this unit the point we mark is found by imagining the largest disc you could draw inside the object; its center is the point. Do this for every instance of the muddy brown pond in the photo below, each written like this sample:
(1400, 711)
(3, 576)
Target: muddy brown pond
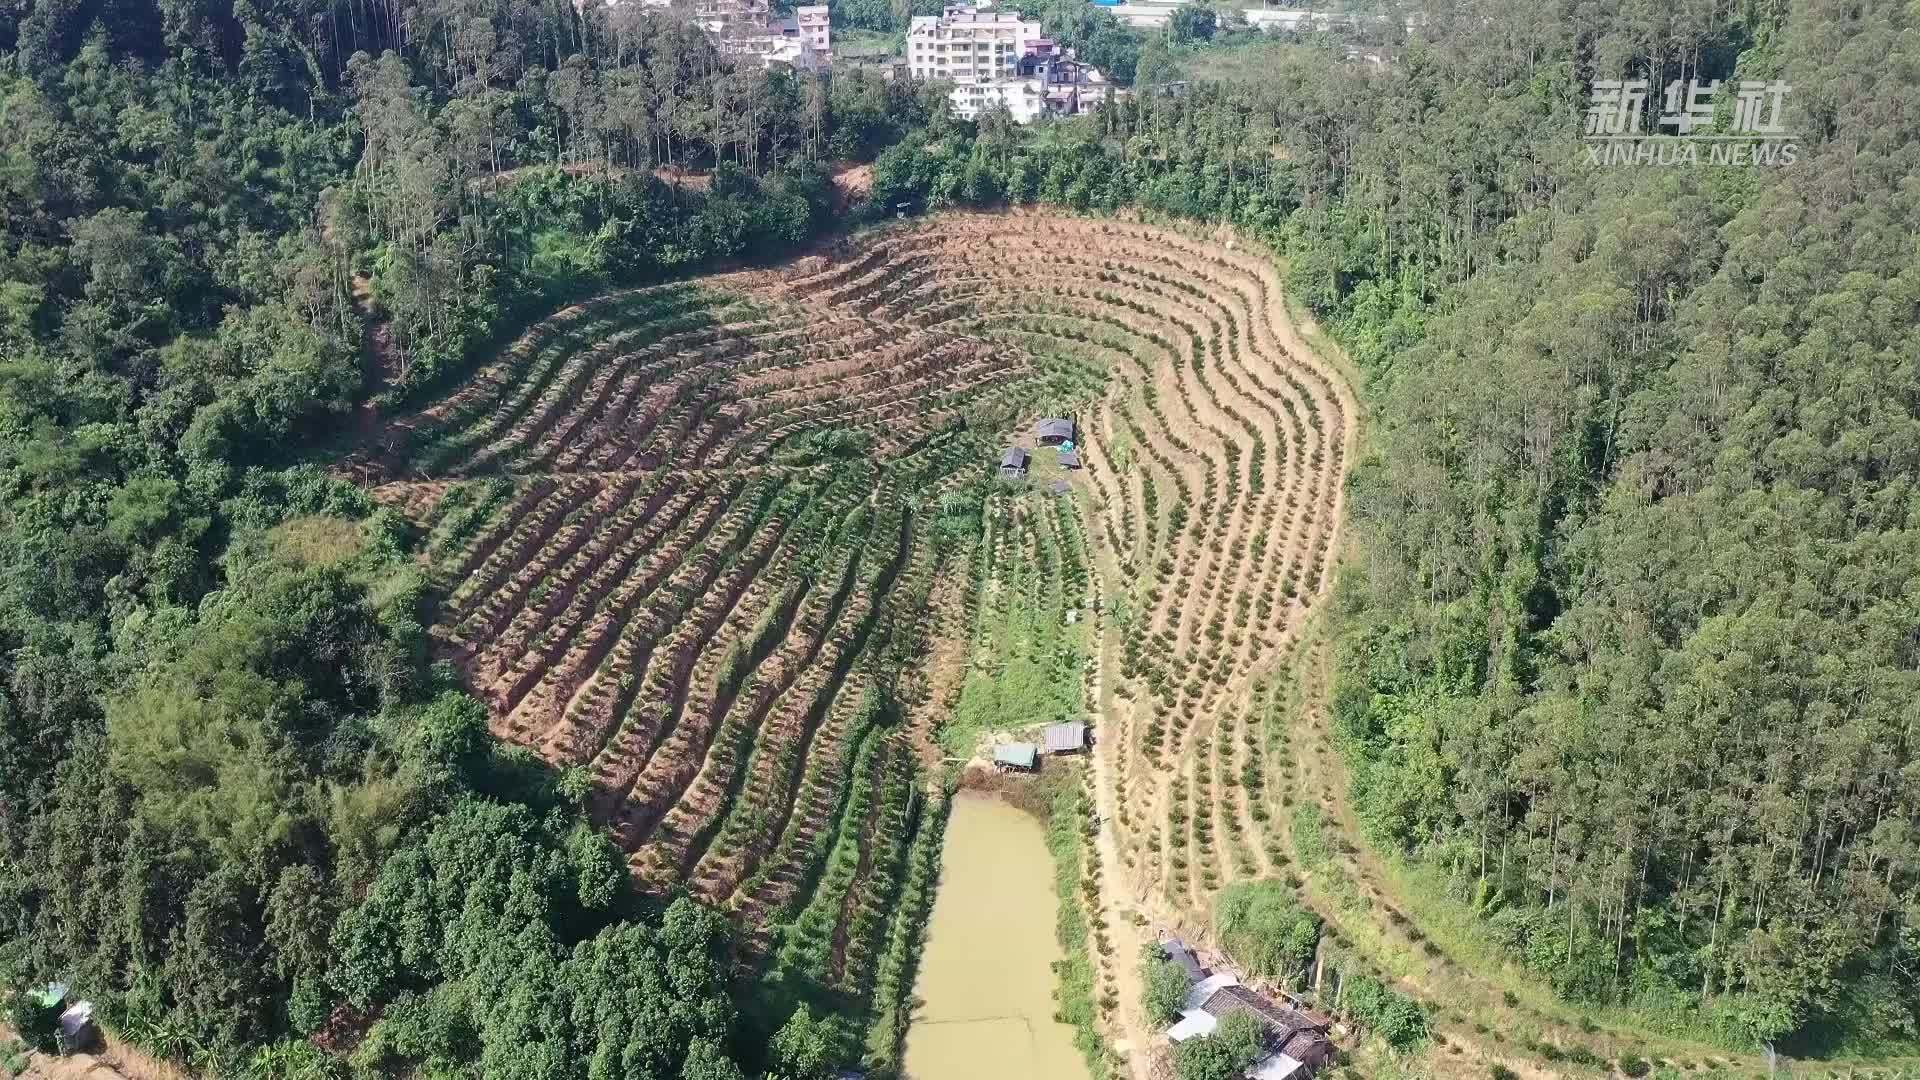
(986, 977)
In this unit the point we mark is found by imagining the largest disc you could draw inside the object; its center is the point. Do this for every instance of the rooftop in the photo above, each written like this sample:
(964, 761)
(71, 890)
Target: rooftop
(1178, 952)
(1054, 427)
(1192, 1025)
(1229, 999)
(1204, 990)
(1276, 1067)
(1063, 737)
(1014, 458)
(1019, 754)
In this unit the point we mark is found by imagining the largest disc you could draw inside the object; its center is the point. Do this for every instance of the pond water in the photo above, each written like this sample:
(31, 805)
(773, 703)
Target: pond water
(986, 977)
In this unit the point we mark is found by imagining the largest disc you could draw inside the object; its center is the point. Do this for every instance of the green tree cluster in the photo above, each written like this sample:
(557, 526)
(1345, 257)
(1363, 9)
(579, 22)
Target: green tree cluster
(1164, 986)
(224, 758)
(1262, 926)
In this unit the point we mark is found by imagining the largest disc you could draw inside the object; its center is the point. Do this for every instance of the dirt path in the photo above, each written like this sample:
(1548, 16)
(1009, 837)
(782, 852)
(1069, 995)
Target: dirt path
(375, 439)
(108, 1059)
(1120, 904)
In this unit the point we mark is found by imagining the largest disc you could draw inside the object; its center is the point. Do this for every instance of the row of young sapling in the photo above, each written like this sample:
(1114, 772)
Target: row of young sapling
(491, 401)
(717, 787)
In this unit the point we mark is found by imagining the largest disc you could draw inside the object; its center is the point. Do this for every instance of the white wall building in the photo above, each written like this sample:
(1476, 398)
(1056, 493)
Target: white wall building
(996, 58)
(1026, 99)
(748, 29)
(971, 46)
(816, 28)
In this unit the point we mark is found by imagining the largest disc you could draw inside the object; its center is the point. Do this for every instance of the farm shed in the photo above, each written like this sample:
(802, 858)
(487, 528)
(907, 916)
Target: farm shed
(1013, 463)
(1054, 430)
(1284, 1020)
(1178, 952)
(1310, 1048)
(1058, 488)
(1064, 738)
(1018, 755)
(1069, 459)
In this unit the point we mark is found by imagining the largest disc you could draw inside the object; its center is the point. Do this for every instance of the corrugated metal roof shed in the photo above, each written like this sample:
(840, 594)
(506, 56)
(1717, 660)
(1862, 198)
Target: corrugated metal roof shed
(1069, 459)
(1276, 1067)
(1053, 427)
(1202, 991)
(1014, 458)
(1020, 755)
(1064, 738)
(1192, 1025)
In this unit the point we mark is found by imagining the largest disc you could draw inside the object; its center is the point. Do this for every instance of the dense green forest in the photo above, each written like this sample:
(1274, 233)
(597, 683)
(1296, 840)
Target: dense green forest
(1628, 631)
(238, 806)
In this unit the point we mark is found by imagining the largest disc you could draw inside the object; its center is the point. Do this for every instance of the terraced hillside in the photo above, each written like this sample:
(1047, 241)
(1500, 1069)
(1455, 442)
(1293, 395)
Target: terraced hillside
(688, 535)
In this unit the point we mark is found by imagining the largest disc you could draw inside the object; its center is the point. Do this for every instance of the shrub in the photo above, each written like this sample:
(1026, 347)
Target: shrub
(1633, 1066)
(1166, 987)
(1396, 1018)
(1265, 928)
(35, 1014)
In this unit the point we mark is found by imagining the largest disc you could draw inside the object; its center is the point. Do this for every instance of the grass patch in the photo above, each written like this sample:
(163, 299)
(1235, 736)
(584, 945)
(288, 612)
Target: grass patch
(867, 44)
(1027, 662)
(1310, 844)
(1074, 977)
(318, 540)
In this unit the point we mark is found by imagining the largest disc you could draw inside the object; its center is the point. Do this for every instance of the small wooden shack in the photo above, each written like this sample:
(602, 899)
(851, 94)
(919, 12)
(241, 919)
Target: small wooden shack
(1069, 459)
(1013, 463)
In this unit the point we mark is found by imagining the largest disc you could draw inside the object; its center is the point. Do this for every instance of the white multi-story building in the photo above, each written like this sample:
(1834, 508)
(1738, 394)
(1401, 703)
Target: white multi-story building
(994, 58)
(730, 18)
(969, 45)
(816, 28)
(1025, 99)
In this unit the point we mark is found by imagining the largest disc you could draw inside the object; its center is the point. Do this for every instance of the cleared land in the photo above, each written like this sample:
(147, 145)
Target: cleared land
(686, 535)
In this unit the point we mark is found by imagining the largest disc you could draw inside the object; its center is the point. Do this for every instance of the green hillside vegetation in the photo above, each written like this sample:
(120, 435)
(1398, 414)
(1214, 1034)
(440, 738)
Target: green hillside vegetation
(1628, 657)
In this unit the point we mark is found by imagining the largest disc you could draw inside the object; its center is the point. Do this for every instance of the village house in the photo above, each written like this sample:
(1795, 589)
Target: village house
(748, 29)
(996, 58)
(1295, 1043)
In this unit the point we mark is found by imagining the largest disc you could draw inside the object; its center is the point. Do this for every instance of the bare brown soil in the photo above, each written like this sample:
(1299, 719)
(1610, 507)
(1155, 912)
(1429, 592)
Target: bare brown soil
(650, 603)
